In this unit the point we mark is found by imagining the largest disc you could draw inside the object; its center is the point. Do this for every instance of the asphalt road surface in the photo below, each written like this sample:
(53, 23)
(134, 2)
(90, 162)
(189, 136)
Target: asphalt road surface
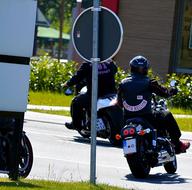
(62, 155)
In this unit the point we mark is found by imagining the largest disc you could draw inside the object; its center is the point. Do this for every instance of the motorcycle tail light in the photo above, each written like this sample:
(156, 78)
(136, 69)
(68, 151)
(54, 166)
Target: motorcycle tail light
(132, 131)
(125, 132)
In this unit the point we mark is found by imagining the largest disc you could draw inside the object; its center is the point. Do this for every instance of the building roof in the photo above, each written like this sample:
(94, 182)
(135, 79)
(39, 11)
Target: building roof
(41, 20)
(51, 33)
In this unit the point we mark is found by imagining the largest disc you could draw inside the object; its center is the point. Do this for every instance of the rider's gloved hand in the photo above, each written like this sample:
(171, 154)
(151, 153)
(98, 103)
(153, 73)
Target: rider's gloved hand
(65, 84)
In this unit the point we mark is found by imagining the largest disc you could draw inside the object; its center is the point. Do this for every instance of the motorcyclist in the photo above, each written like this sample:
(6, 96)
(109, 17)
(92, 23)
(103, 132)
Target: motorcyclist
(135, 95)
(106, 86)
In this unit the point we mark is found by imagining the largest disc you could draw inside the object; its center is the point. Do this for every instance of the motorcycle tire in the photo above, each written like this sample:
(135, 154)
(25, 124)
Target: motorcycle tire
(112, 132)
(85, 134)
(26, 157)
(138, 163)
(171, 167)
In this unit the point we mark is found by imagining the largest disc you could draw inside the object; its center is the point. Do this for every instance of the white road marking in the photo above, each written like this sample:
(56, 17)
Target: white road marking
(80, 162)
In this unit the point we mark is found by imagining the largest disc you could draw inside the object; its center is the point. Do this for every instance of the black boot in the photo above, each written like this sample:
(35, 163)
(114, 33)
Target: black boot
(69, 125)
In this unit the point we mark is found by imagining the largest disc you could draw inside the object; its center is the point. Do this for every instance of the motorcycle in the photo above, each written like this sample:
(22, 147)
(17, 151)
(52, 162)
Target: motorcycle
(109, 119)
(6, 145)
(144, 147)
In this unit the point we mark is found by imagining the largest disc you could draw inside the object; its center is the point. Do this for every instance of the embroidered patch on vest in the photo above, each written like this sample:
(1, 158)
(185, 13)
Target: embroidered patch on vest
(135, 108)
(139, 97)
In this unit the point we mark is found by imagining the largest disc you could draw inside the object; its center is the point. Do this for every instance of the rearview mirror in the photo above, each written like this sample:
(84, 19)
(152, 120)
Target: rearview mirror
(173, 83)
(68, 92)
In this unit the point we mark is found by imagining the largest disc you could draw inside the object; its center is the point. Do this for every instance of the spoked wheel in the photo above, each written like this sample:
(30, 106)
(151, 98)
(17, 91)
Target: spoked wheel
(138, 162)
(26, 157)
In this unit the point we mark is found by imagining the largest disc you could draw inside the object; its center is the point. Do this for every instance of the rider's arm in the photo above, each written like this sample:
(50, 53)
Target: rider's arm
(114, 67)
(160, 90)
(79, 75)
(119, 96)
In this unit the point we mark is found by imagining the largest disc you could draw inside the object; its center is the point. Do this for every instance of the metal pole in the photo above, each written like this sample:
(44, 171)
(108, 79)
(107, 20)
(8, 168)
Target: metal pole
(95, 61)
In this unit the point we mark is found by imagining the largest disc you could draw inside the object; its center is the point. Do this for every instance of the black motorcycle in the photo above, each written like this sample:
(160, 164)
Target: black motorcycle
(109, 119)
(144, 147)
(6, 146)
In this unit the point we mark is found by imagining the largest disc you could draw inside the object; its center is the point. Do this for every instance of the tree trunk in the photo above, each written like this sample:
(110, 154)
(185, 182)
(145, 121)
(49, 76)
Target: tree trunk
(61, 22)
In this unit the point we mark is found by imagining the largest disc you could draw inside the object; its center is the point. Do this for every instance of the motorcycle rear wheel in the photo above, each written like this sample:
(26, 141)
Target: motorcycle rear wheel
(138, 162)
(112, 132)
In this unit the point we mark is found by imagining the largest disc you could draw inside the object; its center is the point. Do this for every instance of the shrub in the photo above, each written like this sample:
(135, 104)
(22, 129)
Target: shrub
(184, 97)
(47, 74)
(121, 74)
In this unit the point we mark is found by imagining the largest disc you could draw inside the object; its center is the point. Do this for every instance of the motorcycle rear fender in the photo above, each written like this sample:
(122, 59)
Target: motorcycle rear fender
(115, 116)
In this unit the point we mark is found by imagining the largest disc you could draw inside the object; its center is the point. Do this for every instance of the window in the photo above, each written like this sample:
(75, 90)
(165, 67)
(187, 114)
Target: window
(185, 55)
(190, 40)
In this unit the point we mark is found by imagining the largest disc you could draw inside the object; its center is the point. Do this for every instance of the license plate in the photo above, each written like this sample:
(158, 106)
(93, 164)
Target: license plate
(129, 146)
(100, 125)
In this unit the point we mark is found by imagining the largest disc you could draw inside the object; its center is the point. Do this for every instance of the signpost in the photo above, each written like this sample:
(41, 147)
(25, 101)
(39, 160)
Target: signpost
(97, 36)
(110, 34)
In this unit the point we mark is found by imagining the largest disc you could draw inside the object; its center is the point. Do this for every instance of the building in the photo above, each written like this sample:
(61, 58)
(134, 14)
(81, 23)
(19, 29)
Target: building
(161, 30)
(47, 38)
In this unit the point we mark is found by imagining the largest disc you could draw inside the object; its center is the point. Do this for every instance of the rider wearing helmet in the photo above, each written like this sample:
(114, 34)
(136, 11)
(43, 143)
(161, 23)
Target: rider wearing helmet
(140, 65)
(135, 95)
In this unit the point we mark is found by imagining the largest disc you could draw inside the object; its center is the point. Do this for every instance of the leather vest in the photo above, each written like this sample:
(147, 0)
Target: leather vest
(136, 95)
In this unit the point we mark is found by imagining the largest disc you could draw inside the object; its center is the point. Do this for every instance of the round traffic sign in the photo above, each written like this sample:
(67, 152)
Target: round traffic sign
(110, 34)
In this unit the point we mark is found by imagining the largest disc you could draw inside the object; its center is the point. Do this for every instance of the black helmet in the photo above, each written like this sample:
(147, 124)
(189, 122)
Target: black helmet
(139, 64)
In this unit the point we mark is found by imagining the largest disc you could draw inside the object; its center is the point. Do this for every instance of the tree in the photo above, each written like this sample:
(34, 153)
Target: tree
(57, 11)
(51, 8)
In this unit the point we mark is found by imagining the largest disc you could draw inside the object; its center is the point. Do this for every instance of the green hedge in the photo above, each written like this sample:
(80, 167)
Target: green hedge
(47, 74)
(184, 97)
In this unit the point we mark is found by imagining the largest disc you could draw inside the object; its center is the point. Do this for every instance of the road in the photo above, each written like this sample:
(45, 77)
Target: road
(61, 154)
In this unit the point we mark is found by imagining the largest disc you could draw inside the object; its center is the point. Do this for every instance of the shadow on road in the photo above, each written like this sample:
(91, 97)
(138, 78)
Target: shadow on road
(159, 178)
(103, 143)
(17, 184)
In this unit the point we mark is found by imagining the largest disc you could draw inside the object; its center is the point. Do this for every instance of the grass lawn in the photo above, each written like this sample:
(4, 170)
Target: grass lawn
(49, 99)
(65, 113)
(185, 124)
(6, 184)
(56, 99)
(181, 111)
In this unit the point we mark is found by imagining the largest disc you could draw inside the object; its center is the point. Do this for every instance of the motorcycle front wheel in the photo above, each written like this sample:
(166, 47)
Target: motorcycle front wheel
(26, 157)
(85, 132)
(171, 167)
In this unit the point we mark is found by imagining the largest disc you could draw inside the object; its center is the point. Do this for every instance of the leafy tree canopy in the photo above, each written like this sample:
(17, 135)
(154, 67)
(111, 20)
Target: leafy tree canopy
(51, 9)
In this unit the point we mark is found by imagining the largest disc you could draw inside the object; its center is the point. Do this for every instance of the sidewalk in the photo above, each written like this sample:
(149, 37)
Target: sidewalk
(54, 108)
(61, 108)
